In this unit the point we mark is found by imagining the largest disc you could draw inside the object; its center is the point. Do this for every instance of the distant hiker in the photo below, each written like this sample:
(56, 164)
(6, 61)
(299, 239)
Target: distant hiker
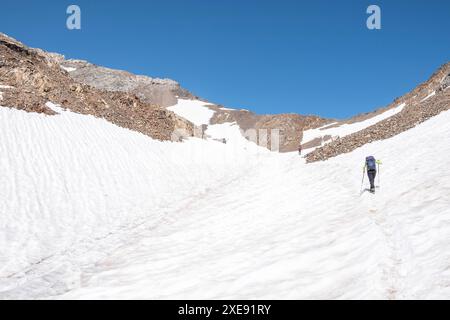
(371, 166)
(300, 149)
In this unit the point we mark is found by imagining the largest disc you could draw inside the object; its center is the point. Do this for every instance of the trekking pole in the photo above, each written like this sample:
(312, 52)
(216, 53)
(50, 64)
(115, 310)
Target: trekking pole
(362, 182)
(379, 174)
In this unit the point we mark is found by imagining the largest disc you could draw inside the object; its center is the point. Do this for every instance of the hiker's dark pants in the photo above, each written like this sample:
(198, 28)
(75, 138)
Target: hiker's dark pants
(372, 174)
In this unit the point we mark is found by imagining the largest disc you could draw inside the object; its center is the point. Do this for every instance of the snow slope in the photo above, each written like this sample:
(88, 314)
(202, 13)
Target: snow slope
(347, 129)
(69, 180)
(90, 210)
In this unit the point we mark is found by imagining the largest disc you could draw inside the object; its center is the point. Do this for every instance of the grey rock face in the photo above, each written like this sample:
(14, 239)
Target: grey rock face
(163, 92)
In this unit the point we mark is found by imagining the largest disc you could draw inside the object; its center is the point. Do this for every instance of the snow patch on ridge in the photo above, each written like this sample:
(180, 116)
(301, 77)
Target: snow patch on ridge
(195, 111)
(429, 96)
(68, 69)
(55, 107)
(347, 129)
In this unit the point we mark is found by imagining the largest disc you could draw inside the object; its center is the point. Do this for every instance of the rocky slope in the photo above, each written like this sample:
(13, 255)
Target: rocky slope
(426, 101)
(31, 77)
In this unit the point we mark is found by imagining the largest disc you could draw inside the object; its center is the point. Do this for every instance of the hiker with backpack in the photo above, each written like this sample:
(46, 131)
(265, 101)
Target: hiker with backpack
(371, 166)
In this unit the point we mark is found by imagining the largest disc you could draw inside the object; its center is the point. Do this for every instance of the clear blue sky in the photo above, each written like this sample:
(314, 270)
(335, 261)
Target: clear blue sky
(308, 57)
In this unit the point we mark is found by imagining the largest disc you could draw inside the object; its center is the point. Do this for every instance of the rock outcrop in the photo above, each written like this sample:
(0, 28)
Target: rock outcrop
(163, 92)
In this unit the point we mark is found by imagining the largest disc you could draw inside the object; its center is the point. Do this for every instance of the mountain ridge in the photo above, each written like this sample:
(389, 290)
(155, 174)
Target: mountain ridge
(141, 103)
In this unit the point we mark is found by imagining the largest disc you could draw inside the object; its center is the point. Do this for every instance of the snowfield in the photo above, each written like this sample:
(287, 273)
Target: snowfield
(89, 210)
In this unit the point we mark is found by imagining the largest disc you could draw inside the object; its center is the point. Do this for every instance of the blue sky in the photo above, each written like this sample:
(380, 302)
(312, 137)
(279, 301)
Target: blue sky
(308, 57)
